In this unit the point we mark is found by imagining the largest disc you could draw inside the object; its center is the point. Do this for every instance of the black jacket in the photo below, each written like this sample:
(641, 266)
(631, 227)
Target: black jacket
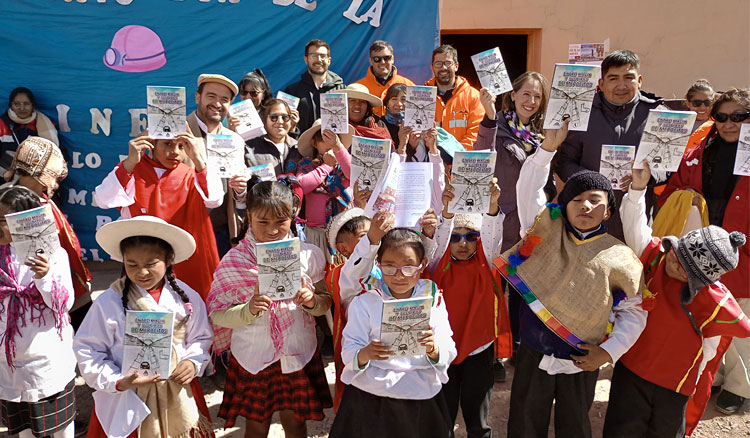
(309, 96)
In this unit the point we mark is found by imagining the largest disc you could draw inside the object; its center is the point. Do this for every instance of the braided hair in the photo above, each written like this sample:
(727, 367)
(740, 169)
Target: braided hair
(137, 241)
(19, 198)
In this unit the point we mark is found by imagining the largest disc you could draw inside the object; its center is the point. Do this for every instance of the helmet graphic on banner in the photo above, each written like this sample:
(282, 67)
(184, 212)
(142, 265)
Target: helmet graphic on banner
(135, 49)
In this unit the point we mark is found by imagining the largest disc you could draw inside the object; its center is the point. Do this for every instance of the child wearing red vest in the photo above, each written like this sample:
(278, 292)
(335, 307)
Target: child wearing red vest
(343, 233)
(689, 312)
(160, 184)
(462, 267)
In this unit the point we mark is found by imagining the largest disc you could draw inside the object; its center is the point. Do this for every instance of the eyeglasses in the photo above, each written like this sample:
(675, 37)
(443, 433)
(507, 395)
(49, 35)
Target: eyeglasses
(735, 117)
(318, 56)
(696, 103)
(275, 117)
(471, 236)
(386, 58)
(441, 64)
(406, 271)
(252, 93)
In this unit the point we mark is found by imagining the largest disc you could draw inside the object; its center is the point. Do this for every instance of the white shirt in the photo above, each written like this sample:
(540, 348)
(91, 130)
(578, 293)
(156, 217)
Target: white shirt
(413, 378)
(98, 347)
(628, 316)
(44, 363)
(252, 345)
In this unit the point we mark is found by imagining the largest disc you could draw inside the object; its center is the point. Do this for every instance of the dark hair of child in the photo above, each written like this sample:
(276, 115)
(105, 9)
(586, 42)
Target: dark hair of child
(274, 196)
(19, 198)
(401, 237)
(136, 241)
(352, 226)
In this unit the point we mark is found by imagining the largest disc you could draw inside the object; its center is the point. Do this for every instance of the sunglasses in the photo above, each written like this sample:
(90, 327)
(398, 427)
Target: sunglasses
(696, 103)
(735, 117)
(275, 117)
(471, 236)
(406, 271)
(386, 58)
(253, 93)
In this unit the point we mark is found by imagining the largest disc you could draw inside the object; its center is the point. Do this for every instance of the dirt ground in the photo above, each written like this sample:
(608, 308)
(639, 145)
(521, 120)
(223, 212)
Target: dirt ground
(714, 424)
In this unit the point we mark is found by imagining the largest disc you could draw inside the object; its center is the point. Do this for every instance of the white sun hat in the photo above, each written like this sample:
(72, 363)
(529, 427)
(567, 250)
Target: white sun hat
(110, 235)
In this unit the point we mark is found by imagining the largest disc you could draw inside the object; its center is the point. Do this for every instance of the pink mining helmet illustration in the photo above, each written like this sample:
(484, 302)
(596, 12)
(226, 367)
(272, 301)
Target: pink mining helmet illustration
(135, 49)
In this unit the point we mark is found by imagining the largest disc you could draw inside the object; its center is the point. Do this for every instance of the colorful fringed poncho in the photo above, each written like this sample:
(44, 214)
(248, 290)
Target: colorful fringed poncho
(570, 284)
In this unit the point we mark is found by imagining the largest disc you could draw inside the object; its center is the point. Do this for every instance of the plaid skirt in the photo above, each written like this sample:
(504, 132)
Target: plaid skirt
(257, 396)
(43, 417)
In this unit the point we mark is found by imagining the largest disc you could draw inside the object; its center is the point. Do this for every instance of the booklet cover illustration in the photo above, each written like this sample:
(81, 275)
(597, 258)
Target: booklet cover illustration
(402, 322)
(369, 161)
(572, 94)
(471, 174)
(34, 232)
(166, 111)
(420, 107)
(279, 268)
(147, 346)
(664, 139)
(491, 70)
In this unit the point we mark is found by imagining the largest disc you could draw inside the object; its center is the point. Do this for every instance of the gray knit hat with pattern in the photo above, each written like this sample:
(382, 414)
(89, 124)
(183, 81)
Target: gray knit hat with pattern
(705, 254)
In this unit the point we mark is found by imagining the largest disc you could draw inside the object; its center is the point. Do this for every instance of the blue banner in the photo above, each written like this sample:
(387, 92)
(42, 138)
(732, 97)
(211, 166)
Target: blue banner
(88, 63)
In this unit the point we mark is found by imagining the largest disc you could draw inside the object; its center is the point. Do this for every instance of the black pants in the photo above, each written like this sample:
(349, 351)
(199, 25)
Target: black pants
(514, 311)
(533, 392)
(639, 408)
(470, 384)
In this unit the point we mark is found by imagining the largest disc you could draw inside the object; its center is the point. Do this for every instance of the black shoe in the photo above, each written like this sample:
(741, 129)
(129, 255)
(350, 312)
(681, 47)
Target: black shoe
(498, 370)
(728, 403)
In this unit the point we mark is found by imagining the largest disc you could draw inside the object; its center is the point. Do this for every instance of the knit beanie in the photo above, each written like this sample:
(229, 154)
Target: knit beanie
(706, 254)
(584, 181)
(469, 221)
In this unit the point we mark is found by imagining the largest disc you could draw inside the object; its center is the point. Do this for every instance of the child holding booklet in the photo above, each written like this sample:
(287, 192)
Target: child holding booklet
(37, 372)
(156, 406)
(462, 267)
(689, 312)
(391, 396)
(575, 279)
(324, 176)
(275, 365)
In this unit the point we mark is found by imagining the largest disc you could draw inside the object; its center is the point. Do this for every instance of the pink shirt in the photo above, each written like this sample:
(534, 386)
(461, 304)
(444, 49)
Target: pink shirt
(315, 202)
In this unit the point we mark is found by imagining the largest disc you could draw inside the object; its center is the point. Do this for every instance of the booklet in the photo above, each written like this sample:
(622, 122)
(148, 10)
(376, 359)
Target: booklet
(292, 101)
(265, 172)
(471, 174)
(334, 112)
(369, 161)
(166, 111)
(664, 139)
(616, 163)
(491, 70)
(402, 322)
(224, 156)
(572, 93)
(406, 190)
(34, 232)
(742, 160)
(586, 53)
(147, 345)
(251, 125)
(420, 107)
(279, 268)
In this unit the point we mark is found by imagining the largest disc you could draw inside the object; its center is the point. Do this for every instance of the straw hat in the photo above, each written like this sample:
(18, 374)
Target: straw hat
(110, 235)
(338, 221)
(304, 143)
(359, 91)
(219, 79)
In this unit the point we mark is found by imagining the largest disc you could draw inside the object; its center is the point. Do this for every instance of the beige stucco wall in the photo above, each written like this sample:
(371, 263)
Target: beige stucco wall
(678, 40)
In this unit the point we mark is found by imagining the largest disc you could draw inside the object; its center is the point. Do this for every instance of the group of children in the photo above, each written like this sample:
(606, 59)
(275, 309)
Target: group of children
(654, 307)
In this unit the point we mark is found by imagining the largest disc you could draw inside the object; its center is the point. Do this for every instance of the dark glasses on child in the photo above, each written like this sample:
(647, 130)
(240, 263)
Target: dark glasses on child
(471, 236)
(406, 271)
(696, 103)
(735, 117)
(386, 58)
(275, 117)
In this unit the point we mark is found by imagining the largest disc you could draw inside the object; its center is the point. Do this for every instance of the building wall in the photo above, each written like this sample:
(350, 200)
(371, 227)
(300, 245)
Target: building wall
(677, 40)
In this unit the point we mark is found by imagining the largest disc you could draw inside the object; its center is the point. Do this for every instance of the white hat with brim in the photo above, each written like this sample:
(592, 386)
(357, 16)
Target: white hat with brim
(110, 235)
(359, 91)
(338, 221)
(304, 143)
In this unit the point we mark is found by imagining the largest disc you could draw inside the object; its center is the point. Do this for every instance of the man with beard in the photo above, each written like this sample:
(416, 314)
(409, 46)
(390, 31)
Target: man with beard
(458, 108)
(316, 80)
(382, 73)
(215, 94)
